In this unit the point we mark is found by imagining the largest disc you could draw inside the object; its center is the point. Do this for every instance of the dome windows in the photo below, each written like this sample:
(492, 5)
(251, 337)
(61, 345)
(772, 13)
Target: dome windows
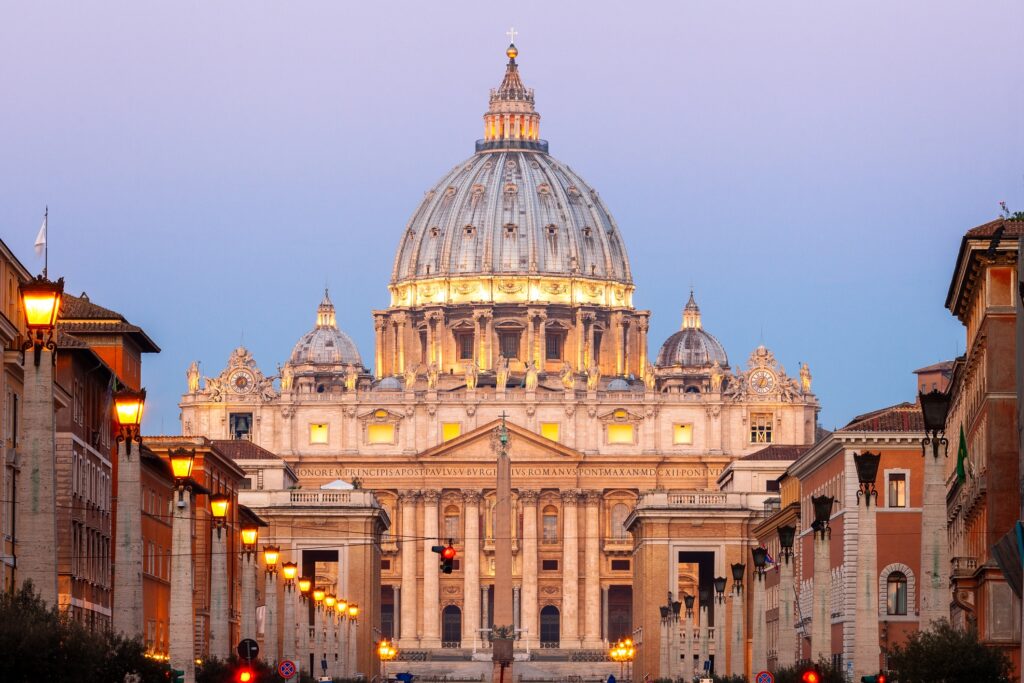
(469, 231)
(510, 230)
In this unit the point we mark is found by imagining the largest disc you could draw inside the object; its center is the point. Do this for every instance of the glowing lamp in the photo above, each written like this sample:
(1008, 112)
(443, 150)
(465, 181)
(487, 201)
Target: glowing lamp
(305, 583)
(219, 504)
(250, 534)
(181, 463)
(128, 406)
(40, 299)
(318, 595)
(270, 555)
(353, 611)
(289, 570)
(343, 606)
(329, 600)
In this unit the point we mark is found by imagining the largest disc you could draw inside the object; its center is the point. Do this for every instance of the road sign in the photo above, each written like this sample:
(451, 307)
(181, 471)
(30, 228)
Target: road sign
(248, 649)
(286, 669)
(764, 677)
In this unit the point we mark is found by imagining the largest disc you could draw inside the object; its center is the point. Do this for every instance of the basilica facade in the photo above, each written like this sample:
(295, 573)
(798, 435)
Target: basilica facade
(511, 298)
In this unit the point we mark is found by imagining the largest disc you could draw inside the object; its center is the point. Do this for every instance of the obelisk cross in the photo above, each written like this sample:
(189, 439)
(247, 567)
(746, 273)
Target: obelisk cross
(512, 33)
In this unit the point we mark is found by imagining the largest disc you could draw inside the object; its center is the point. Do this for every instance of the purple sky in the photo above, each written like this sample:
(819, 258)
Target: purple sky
(808, 167)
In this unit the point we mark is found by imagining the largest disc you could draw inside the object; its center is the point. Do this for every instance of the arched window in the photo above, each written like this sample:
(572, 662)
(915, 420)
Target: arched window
(897, 593)
(549, 626)
(618, 518)
(451, 627)
(550, 525)
(452, 525)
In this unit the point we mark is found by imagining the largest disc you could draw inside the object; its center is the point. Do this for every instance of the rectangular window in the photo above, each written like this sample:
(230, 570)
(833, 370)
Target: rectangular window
(385, 565)
(553, 342)
(897, 490)
(380, 433)
(620, 434)
(682, 435)
(620, 565)
(596, 353)
(318, 433)
(550, 430)
(772, 486)
(465, 341)
(240, 425)
(549, 565)
(550, 529)
(450, 430)
(452, 527)
(761, 428)
(1003, 612)
(509, 343)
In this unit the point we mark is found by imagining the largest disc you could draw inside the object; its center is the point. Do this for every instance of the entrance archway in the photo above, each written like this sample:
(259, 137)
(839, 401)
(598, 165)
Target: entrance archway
(550, 626)
(451, 627)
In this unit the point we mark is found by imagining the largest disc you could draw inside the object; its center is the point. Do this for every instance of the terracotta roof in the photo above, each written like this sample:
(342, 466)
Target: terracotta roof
(80, 307)
(902, 417)
(67, 341)
(777, 452)
(243, 449)
(79, 314)
(945, 366)
(1011, 228)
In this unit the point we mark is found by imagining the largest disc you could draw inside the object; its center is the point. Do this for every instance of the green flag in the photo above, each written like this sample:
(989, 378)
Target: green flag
(961, 458)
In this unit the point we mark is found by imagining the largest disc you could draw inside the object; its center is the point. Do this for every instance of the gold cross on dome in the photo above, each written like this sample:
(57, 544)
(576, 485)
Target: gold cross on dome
(512, 33)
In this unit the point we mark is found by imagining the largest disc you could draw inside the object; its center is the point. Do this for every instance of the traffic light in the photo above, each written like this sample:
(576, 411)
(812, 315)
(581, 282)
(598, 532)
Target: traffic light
(877, 678)
(177, 676)
(447, 553)
(245, 675)
(810, 676)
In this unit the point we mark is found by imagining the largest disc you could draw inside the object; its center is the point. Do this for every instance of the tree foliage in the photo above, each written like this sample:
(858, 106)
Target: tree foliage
(41, 644)
(944, 653)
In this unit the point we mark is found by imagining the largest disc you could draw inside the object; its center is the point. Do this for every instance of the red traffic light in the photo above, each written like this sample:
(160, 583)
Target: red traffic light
(811, 677)
(245, 675)
(882, 678)
(448, 553)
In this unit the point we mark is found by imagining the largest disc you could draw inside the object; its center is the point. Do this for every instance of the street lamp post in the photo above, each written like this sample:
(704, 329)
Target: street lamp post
(182, 617)
(759, 635)
(305, 584)
(687, 625)
(271, 553)
(385, 652)
(250, 538)
(288, 572)
(719, 583)
(318, 626)
(622, 652)
(704, 605)
(786, 647)
(737, 654)
(353, 639)
(220, 613)
(36, 519)
(821, 619)
(343, 654)
(934, 588)
(330, 634)
(127, 612)
(866, 651)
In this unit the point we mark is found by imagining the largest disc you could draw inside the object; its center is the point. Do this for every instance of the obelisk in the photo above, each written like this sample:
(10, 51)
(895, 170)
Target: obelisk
(503, 634)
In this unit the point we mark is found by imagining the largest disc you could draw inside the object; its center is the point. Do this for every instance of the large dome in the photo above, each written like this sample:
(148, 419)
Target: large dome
(692, 346)
(325, 344)
(511, 209)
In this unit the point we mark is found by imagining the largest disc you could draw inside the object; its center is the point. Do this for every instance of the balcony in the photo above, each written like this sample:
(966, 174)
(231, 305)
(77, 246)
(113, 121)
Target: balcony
(963, 567)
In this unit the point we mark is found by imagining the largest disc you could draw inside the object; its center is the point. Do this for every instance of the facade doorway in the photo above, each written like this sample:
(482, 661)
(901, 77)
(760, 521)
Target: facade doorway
(451, 627)
(620, 613)
(550, 626)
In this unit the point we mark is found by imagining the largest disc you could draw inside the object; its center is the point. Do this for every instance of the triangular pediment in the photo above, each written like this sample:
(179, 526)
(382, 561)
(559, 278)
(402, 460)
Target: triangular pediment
(524, 446)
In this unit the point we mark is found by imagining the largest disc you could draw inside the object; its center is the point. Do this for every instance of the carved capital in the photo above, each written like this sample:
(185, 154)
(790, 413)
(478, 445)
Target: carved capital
(569, 496)
(472, 497)
(408, 497)
(431, 496)
(591, 496)
(529, 496)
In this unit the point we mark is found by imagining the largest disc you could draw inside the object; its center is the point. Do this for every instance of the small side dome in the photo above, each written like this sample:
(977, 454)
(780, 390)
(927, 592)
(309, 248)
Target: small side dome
(618, 384)
(325, 344)
(388, 384)
(692, 346)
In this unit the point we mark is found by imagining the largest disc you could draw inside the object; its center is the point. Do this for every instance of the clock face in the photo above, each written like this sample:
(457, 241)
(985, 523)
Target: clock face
(762, 381)
(241, 381)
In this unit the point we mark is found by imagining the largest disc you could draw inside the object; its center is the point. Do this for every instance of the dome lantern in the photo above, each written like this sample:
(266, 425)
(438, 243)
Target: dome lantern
(511, 122)
(325, 313)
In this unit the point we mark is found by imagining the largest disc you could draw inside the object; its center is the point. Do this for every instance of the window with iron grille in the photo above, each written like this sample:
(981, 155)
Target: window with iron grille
(553, 343)
(465, 345)
(509, 342)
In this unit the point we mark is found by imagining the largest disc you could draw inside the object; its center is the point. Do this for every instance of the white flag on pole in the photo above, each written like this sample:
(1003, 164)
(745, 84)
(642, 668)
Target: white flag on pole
(41, 237)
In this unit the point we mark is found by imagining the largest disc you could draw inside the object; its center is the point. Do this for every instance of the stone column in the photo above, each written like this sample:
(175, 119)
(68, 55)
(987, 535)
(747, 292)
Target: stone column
(531, 339)
(471, 569)
(580, 341)
(401, 346)
(529, 611)
(604, 614)
(352, 635)
(128, 602)
(288, 619)
(182, 621)
(821, 608)
(220, 614)
(737, 654)
(759, 629)
(933, 587)
(642, 343)
(485, 616)
(542, 350)
(36, 516)
(570, 637)
(331, 641)
(302, 646)
(592, 573)
(247, 623)
(866, 651)
(515, 610)
(663, 645)
(479, 357)
(786, 646)
(318, 629)
(702, 624)
(407, 501)
(720, 661)
(431, 579)
(270, 630)
(398, 611)
(378, 350)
